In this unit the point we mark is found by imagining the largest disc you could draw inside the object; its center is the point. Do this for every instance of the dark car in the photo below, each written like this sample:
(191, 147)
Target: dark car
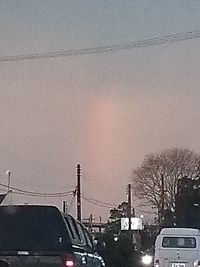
(42, 236)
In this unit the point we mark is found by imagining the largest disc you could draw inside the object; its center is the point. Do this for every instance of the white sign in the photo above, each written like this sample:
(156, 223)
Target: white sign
(136, 223)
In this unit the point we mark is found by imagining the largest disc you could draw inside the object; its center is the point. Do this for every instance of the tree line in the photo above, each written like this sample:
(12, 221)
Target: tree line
(168, 181)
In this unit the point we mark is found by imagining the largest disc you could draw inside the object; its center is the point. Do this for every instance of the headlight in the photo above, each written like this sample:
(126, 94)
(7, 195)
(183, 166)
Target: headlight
(147, 259)
(196, 263)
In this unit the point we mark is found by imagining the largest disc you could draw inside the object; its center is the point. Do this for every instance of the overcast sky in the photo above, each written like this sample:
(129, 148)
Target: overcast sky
(104, 111)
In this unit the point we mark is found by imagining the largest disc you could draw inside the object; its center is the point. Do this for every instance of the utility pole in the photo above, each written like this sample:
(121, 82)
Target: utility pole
(78, 193)
(129, 211)
(100, 224)
(162, 199)
(90, 223)
(8, 172)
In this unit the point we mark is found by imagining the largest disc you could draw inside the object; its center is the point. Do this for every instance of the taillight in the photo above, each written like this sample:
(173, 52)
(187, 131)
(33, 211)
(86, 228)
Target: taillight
(156, 263)
(68, 261)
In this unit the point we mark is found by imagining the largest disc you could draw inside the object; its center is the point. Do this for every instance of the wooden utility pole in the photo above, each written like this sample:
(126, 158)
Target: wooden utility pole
(78, 193)
(129, 210)
(90, 223)
(8, 172)
(162, 199)
(100, 224)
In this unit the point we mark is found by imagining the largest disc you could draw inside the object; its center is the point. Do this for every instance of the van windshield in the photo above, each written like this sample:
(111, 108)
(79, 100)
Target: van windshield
(30, 227)
(179, 242)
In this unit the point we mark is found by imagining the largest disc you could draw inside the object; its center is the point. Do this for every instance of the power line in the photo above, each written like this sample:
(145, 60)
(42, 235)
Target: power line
(173, 38)
(32, 193)
(101, 202)
(96, 202)
(40, 195)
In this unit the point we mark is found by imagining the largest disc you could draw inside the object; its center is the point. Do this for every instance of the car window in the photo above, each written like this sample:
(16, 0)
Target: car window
(74, 228)
(69, 228)
(81, 233)
(87, 236)
(31, 228)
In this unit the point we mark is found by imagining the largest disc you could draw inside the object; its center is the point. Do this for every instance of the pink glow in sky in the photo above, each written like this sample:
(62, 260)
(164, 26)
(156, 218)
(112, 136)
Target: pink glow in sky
(104, 111)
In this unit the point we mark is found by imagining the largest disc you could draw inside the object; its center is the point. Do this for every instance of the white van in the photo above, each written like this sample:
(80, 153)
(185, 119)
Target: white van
(177, 247)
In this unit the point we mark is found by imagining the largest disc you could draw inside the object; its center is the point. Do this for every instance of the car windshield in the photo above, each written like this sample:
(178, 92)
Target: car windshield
(26, 228)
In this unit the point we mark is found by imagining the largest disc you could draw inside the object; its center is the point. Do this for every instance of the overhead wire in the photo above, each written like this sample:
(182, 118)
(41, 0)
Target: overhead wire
(181, 36)
(101, 202)
(32, 193)
(97, 203)
(40, 195)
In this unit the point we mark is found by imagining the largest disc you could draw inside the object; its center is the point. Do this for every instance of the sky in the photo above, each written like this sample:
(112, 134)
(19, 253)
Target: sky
(105, 111)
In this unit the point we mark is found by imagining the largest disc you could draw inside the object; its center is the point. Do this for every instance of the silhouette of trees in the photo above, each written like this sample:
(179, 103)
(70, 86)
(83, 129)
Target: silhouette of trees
(187, 210)
(172, 164)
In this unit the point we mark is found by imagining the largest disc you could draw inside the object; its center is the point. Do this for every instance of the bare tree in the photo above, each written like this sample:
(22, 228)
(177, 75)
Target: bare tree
(164, 169)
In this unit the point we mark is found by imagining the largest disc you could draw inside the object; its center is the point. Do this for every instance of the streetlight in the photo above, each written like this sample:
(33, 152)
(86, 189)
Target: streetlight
(8, 172)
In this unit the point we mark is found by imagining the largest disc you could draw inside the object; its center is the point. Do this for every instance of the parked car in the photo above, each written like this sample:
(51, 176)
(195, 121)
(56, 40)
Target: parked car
(42, 236)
